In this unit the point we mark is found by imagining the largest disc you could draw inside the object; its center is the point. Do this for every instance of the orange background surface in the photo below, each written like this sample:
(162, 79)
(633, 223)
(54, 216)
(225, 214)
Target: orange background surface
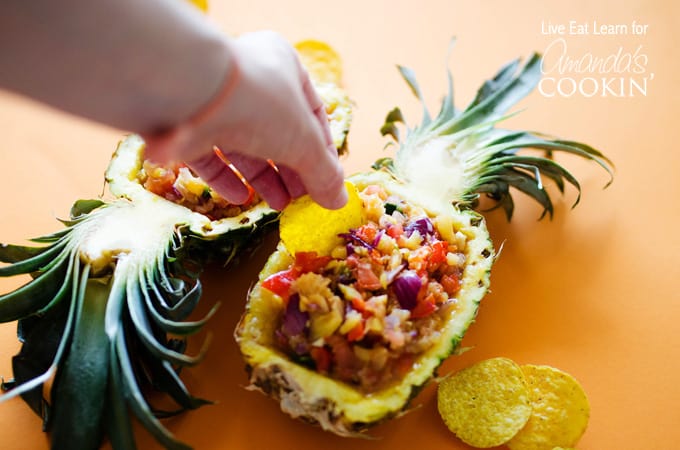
(593, 292)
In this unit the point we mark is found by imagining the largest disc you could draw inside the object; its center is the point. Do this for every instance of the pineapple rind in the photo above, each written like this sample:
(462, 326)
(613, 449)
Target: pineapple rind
(204, 240)
(121, 176)
(336, 406)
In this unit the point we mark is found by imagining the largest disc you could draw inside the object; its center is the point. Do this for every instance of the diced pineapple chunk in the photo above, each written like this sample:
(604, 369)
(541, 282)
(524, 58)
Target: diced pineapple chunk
(352, 319)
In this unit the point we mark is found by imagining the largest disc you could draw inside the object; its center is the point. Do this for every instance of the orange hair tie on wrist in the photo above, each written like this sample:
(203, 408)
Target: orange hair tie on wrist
(222, 95)
(156, 142)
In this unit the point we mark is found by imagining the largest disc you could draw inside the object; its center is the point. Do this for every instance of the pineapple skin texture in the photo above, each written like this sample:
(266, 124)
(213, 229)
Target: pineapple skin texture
(223, 241)
(335, 406)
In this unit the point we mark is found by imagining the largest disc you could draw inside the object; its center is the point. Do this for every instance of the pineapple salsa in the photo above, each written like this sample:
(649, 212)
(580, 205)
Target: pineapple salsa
(364, 313)
(177, 183)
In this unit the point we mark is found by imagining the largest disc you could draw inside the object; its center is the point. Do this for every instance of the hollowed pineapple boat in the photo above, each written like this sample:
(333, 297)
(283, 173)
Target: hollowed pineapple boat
(105, 314)
(105, 317)
(345, 326)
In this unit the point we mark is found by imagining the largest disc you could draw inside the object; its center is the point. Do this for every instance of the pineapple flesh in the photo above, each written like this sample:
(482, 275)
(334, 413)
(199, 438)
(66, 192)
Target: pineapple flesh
(108, 293)
(106, 313)
(345, 406)
(440, 170)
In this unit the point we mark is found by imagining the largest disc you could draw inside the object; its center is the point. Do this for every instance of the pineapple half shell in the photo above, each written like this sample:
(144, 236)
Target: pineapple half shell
(337, 406)
(443, 166)
(204, 239)
(106, 313)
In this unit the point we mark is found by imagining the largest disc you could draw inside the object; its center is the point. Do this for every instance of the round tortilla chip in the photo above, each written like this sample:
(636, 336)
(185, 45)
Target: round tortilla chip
(486, 404)
(306, 226)
(560, 410)
(321, 61)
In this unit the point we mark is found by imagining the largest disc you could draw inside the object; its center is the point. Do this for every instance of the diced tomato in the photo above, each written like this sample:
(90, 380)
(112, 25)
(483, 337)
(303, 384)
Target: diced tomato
(279, 283)
(374, 189)
(438, 254)
(352, 261)
(342, 357)
(356, 333)
(366, 278)
(367, 233)
(322, 358)
(310, 262)
(376, 256)
(394, 231)
(160, 180)
(359, 304)
(450, 283)
(424, 308)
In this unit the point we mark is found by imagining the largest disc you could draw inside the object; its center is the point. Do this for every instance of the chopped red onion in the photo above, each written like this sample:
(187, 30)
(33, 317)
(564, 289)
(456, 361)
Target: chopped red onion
(294, 320)
(423, 226)
(406, 287)
(377, 238)
(352, 238)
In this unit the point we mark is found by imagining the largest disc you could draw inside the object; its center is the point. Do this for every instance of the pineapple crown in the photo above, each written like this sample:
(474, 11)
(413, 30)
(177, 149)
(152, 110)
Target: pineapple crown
(459, 155)
(101, 333)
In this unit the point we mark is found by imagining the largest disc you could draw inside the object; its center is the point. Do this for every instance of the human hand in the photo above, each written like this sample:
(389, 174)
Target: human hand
(268, 110)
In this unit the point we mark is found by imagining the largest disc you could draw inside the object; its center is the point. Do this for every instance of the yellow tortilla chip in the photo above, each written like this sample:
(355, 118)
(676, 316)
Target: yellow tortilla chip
(321, 61)
(305, 226)
(560, 410)
(200, 4)
(486, 404)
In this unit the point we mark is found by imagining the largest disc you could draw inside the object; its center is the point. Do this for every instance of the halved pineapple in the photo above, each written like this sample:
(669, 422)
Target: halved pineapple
(309, 338)
(387, 366)
(205, 237)
(105, 315)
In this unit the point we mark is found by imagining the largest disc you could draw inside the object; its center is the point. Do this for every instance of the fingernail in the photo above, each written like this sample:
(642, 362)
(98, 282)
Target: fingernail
(340, 200)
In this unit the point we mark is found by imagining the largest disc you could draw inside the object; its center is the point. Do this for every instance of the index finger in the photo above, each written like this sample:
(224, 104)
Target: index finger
(318, 108)
(322, 177)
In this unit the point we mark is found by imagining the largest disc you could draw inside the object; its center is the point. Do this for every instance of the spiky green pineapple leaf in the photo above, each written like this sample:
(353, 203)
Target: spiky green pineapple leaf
(117, 415)
(497, 101)
(35, 295)
(84, 207)
(34, 263)
(410, 77)
(16, 253)
(174, 305)
(40, 338)
(167, 379)
(493, 85)
(146, 334)
(458, 156)
(177, 327)
(80, 387)
(137, 402)
(390, 127)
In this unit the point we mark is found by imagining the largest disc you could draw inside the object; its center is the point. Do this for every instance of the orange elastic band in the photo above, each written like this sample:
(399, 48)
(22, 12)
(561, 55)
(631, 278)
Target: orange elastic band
(228, 85)
(166, 137)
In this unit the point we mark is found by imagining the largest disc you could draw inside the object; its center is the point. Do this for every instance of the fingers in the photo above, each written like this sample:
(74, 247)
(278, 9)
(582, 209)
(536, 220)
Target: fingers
(263, 177)
(292, 181)
(274, 113)
(323, 179)
(317, 107)
(322, 176)
(220, 177)
(272, 186)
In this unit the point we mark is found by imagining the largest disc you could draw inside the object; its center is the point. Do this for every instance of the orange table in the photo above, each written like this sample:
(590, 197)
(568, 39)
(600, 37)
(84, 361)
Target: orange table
(594, 292)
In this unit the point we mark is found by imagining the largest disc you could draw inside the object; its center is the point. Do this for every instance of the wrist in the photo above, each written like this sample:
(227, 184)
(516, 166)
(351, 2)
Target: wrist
(225, 89)
(163, 145)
